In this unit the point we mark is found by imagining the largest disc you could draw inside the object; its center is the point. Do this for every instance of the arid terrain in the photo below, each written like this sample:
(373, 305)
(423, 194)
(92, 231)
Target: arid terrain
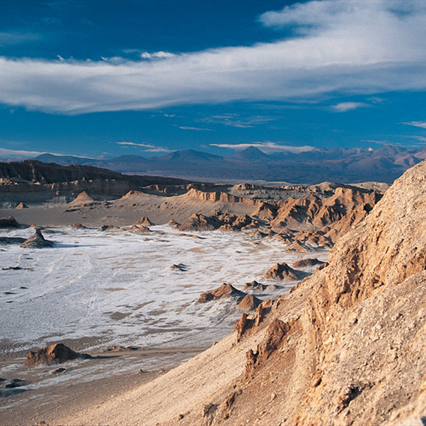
(343, 346)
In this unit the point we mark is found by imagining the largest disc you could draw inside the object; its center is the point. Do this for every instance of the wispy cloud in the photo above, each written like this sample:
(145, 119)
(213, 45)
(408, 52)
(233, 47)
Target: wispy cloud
(11, 38)
(234, 120)
(342, 47)
(349, 106)
(198, 129)
(147, 147)
(421, 124)
(266, 147)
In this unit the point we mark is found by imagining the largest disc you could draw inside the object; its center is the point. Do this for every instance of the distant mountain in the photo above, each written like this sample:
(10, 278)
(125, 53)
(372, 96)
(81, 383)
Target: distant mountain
(190, 157)
(127, 159)
(62, 159)
(249, 154)
(345, 165)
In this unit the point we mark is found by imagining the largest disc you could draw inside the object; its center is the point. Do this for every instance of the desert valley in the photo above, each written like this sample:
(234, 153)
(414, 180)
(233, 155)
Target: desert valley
(144, 300)
(212, 213)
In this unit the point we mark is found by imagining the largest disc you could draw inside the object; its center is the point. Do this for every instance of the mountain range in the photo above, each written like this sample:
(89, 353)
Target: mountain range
(346, 165)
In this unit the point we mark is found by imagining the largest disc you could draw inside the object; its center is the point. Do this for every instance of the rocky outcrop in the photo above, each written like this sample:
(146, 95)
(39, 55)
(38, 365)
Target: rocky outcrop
(143, 221)
(254, 285)
(9, 222)
(140, 228)
(224, 291)
(21, 205)
(109, 228)
(249, 303)
(78, 226)
(346, 346)
(199, 222)
(220, 221)
(83, 199)
(303, 263)
(53, 354)
(37, 241)
(218, 196)
(282, 271)
(343, 347)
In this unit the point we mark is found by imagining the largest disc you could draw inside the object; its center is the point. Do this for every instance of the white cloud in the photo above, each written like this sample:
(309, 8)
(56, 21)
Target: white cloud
(17, 153)
(266, 147)
(348, 106)
(421, 124)
(342, 47)
(198, 129)
(147, 147)
(234, 120)
(156, 55)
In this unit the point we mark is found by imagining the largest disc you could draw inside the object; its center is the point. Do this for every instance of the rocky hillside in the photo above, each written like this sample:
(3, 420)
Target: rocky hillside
(346, 347)
(34, 181)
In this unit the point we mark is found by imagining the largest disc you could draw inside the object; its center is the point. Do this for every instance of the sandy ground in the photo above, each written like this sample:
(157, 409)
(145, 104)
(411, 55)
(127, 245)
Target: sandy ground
(123, 211)
(66, 399)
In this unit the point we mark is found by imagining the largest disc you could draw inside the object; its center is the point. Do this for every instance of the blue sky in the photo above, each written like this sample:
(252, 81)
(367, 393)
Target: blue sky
(148, 77)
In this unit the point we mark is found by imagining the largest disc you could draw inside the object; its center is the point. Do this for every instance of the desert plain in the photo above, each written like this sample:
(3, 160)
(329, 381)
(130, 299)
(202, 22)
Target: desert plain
(127, 294)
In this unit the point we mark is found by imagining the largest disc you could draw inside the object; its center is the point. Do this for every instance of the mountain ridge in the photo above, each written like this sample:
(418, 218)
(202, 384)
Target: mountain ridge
(345, 165)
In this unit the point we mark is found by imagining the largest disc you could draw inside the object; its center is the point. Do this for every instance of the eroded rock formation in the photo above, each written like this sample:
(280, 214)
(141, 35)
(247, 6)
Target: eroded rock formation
(9, 222)
(346, 346)
(53, 354)
(282, 271)
(37, 241)
(224, 291)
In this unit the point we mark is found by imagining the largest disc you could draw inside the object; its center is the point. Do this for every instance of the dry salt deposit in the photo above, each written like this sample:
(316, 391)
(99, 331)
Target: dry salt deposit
(121, 288)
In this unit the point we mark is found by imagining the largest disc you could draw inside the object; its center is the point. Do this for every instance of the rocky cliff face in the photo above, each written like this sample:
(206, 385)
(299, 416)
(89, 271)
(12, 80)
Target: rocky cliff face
(37, 182)
(353, 351)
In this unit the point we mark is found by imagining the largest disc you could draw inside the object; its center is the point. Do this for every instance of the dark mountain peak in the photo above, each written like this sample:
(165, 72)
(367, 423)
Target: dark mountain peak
(62, 159)
(128, 159)
(190, 156)
(249, 154)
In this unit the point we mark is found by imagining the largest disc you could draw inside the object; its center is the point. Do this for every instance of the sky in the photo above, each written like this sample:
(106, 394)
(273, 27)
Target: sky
(147, 77)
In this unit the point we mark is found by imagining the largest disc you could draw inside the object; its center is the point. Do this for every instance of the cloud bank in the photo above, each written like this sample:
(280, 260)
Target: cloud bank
(340, 47)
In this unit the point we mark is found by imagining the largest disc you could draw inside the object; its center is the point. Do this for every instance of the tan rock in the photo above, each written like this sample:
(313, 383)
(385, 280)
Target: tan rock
(282, 271)
(36, 241)
(224, 291)
(53, 354)
(249, 303)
